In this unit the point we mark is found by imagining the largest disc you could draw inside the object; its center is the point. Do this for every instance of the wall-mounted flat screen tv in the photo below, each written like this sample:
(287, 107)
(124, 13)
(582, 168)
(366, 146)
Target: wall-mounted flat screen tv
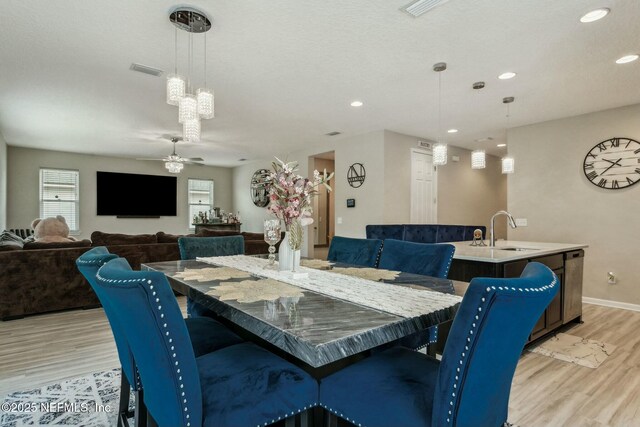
(134, 195)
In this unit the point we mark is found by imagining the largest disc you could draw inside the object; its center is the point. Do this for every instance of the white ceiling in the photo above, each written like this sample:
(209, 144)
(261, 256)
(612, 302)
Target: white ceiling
(285, 71)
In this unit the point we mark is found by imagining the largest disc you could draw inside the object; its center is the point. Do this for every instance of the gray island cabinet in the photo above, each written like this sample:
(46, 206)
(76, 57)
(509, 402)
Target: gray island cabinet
(509, 258)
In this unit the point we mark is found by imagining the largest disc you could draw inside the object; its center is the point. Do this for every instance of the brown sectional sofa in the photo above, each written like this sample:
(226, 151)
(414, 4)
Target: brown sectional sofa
(43, 278)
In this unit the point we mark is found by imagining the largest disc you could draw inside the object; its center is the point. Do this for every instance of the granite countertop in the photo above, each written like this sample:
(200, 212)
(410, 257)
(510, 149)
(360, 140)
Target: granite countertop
(498, 254)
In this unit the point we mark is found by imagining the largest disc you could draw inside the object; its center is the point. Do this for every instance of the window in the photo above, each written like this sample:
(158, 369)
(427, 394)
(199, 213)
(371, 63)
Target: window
(59, 195)
(200, 197)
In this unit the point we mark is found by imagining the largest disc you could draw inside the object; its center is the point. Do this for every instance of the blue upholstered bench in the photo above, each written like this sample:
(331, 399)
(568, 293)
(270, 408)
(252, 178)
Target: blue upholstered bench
(424, 233)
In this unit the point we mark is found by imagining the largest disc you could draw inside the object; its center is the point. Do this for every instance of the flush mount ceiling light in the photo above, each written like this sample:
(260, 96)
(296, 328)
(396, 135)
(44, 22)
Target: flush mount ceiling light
(452, 131)
(506, 76)
(478, 159)
(626, 59)
(357, 104)
(192, 105)
(439, 150)
(594, 15)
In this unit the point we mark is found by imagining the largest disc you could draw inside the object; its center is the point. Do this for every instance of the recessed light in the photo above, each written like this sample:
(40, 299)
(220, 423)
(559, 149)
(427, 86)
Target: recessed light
(595, 15)
(357, 104)
(502, 145)
(626, 59)
(452, 130)
(506, 76)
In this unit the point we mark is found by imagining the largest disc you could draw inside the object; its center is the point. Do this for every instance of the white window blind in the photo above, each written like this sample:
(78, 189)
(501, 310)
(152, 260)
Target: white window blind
(200, 195)
(59, 195)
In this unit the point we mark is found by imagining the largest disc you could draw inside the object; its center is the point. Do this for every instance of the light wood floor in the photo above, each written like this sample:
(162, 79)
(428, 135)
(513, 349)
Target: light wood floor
(545, 392)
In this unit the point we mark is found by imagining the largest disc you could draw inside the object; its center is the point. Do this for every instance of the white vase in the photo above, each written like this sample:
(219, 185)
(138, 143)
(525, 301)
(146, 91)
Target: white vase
(284, 255)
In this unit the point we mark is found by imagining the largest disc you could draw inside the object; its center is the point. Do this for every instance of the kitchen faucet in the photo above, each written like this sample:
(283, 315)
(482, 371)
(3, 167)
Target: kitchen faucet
(511, 221)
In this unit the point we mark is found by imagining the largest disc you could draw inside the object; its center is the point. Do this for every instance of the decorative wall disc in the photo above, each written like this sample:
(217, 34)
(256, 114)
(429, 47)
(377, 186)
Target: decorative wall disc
(356, 175)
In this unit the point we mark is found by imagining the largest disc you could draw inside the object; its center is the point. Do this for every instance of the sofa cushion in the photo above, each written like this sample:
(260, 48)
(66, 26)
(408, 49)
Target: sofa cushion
(450, 233)
(382, 232)
(98, 238)
(420, 233)
(172, 238)
(10, 241)
(57, 245)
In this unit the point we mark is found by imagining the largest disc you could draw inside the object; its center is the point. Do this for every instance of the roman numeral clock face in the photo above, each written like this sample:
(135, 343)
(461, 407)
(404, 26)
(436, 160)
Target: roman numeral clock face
(613, 164)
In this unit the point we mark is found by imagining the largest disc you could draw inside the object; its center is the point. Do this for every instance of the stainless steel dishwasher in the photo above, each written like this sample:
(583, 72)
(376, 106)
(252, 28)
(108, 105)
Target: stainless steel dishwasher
(572, 305)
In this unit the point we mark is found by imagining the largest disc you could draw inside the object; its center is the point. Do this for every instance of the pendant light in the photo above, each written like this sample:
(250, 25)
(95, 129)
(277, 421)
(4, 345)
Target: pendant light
(204, 95)
(176, 84)
(440, 148)
(478, 159)
(508, 163)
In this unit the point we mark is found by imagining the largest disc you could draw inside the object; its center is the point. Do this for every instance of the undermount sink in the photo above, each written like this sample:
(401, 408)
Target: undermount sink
(513, 248)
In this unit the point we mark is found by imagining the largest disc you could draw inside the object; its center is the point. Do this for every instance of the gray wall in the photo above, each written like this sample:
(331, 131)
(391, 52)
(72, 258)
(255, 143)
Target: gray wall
(561, 205)
(3, 183)
(23, 188)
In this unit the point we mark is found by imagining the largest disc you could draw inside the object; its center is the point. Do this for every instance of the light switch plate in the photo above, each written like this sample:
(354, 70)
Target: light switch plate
(339, 220)
(521, 222)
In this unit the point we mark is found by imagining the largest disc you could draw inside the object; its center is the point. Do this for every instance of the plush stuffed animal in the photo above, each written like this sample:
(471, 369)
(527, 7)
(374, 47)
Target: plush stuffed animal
(54, 229)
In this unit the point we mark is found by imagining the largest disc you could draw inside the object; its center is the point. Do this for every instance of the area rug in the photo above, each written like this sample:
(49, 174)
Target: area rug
(90, 400)
(573, 349)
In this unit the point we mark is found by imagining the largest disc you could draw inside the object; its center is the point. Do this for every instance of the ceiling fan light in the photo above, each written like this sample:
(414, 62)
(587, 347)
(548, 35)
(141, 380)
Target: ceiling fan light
(478, 159)
(174, 167)
(175, 88)
(191, 130)
(188, 108)
(508, 165)
(205, 100)
(439, 154)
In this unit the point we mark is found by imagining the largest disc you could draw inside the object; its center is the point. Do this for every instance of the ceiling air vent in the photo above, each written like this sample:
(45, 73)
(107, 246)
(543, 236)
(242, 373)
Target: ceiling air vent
(146, 69)
(421, 7)
(334, 133)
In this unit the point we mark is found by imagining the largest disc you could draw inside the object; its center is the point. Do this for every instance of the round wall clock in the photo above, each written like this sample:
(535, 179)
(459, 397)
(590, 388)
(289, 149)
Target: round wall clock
(356, 175)
(613, 164)
(258, 188)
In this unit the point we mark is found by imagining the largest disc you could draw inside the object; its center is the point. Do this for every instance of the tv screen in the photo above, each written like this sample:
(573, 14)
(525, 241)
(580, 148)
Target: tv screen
(129, 194)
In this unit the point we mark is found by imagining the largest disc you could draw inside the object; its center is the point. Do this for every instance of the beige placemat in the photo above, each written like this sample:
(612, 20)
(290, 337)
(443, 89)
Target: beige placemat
(207, 274)
(248, 291)
(374, 274)
(573, 349)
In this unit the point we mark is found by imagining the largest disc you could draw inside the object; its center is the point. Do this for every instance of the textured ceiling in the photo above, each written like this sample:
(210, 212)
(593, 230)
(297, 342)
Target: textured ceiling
(285, 71)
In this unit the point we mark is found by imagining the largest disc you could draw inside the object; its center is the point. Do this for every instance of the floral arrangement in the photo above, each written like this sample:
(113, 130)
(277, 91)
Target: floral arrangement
(290, 196)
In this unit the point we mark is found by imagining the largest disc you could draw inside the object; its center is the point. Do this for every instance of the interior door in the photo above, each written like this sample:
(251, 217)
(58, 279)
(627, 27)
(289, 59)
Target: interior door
(423, 188)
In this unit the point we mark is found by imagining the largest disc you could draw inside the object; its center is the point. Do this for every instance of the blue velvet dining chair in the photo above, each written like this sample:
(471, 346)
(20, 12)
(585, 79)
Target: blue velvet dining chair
(363, 252)
(206, 335)
(470, 387)
(428, 259)
(240, 385)
(193, 247)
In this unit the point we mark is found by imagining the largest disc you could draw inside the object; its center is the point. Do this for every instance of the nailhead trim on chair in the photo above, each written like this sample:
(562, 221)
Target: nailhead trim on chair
(285, 416)
(474, 327)
(446, 271)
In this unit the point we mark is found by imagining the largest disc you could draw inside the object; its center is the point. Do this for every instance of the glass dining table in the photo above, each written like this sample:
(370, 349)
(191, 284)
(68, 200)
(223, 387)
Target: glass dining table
(327, 316)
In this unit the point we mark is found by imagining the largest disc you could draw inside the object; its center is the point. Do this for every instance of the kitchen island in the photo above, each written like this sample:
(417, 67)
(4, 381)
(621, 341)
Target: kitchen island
(509, 258)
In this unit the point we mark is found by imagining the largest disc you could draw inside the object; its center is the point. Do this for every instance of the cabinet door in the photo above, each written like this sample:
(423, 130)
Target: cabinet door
(554, 311)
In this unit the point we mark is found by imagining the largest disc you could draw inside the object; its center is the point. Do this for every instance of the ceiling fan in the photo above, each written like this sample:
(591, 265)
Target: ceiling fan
(175, 163)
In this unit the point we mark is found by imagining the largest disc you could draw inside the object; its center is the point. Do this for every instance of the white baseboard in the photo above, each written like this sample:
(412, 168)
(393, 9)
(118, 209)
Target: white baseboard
(614, 304)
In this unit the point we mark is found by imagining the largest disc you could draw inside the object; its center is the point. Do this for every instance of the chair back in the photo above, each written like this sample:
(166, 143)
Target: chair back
(485, 342)
(158, 337)
(89, 263)
(429, 259)
(362, 252)
(192, 247)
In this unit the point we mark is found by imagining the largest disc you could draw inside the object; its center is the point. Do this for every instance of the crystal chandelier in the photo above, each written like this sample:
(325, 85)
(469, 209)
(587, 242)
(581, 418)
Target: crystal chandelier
(174, 167)
(192, 106)
(440, 149)
(508, 165)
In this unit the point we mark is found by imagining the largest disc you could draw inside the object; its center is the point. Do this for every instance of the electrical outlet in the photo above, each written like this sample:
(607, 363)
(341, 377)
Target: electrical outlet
(611, 278)
(521, 222)
(339, 220)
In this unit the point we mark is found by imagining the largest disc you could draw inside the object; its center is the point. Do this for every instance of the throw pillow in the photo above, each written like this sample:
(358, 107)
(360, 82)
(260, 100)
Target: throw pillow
(57, 245)
(10, 241)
